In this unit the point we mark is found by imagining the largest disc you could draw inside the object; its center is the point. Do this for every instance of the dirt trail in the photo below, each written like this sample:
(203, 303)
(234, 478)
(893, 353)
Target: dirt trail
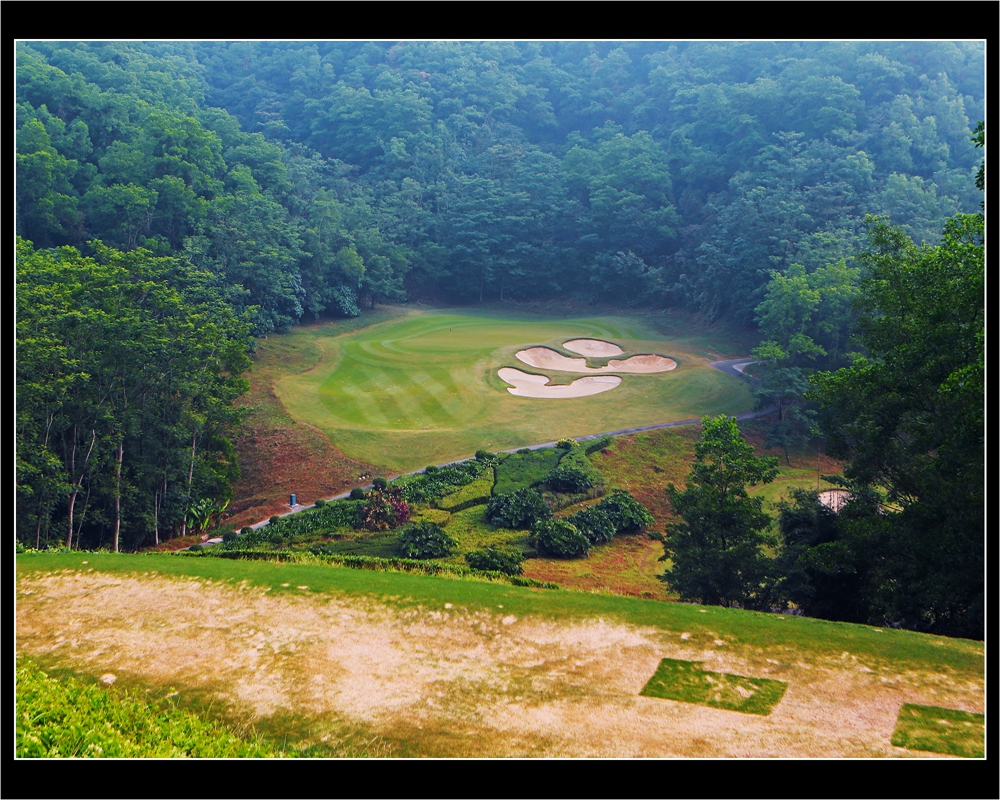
(489, 683)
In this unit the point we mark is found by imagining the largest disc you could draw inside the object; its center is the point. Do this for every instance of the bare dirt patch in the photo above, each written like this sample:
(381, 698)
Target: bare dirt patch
(278, 457)
(490, 684)
(527, 385)
(546, 358)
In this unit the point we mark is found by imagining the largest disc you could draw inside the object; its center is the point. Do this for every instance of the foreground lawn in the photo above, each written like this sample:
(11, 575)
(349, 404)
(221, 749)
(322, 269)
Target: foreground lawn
(415, 665)
(422, 388)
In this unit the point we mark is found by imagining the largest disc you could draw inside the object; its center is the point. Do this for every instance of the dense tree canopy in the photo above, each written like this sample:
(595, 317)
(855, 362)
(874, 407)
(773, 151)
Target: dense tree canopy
(908, 417)
(314, 177)
(127, 366)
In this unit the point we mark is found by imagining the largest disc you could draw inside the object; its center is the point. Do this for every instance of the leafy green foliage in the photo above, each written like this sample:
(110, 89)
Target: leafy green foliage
(626, 514)
(568, 479)
(69, 718)
(128, 366)
(831, 562)
(558, 538)
(493, 559)
(518, 510)
(594, 523)
(716, 545)
(909, 419)
(687, 682)
(425, 540)
(434, 482)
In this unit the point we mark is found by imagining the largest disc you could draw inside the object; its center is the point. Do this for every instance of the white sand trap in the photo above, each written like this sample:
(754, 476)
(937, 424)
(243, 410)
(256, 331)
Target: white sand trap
(546, 358)
(594, 348)
(526, 385)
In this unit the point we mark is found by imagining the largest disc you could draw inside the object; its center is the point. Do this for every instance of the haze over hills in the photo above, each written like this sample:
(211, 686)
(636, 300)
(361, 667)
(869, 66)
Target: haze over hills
(179, 201)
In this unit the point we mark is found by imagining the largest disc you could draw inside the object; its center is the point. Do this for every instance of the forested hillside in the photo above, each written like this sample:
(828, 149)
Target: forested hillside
(314, 177)
(177, 201)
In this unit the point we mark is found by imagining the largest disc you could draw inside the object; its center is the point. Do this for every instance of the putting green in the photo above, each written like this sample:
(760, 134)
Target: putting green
(422, 388)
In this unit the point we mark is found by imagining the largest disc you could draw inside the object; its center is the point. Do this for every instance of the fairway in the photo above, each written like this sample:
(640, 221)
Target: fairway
(423, 388)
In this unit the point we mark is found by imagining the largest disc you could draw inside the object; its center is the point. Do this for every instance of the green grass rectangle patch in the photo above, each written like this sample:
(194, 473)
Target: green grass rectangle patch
(687, 682)
(941, 730)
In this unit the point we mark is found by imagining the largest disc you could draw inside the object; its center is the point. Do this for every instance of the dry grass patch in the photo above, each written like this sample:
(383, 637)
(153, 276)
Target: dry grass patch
(449, 680)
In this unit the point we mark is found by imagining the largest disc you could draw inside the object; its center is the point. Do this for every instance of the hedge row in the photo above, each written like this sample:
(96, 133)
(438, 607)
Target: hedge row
(381, 565)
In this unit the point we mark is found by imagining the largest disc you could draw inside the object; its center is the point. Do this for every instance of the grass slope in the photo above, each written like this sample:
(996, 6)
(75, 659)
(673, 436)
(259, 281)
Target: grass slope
(422, 388)
(312, 651)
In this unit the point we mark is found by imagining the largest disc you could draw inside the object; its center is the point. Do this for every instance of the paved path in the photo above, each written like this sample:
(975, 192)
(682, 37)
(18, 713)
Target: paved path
(733, 367)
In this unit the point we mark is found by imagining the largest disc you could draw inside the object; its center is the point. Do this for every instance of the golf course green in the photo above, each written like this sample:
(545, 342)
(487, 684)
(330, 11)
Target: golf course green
(422, 387)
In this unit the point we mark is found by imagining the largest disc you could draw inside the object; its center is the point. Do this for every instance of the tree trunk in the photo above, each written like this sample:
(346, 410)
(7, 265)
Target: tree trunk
(184, 524)
(118, 491)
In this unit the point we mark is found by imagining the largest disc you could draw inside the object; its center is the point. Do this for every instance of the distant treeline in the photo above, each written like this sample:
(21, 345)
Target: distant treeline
(310, 178)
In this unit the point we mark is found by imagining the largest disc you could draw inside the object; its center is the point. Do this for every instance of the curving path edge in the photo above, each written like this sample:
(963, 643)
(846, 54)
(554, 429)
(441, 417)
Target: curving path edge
(733, 367)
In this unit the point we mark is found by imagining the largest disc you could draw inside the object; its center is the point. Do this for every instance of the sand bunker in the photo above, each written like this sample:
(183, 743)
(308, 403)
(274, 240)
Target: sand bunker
(527, 385)
(546, 358)
(594, 348)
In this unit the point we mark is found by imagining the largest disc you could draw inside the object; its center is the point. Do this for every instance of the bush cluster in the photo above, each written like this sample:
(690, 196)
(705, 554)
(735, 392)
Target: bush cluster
(593, 523)
(518, 510)
(492, 559)
(627, 514)
(382, 510)
(425, 540)
(525, 468)
(436, 482)
(569, 480)
(558, 538)
(332, 516)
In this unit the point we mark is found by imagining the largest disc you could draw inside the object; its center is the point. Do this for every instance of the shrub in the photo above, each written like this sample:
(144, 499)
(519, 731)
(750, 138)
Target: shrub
(597, 444)
(380, 483)
(228, 536)
(195, 547)
(320, 503)
(568, 479)
(383, 509)
(430, 470)
(492, 559)
(274, 519)
(593, 523)
(558, 538)
(246, 529)
(627, 514)
(425, 540)
(518, 510)
(484, 455)
(357, 493)
(566, 444)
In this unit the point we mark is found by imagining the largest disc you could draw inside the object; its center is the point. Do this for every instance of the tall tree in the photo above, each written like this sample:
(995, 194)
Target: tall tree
(909, 418)
(716, 546)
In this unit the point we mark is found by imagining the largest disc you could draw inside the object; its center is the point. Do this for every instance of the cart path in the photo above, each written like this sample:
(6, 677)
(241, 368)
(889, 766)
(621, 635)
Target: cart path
(733, 367)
